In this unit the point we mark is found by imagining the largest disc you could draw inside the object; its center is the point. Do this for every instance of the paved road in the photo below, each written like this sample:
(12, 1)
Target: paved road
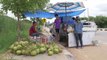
(92, 52)
(101, 37)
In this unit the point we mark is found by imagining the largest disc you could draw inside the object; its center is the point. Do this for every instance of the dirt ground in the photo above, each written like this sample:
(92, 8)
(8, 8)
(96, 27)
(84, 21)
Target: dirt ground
(90, 52)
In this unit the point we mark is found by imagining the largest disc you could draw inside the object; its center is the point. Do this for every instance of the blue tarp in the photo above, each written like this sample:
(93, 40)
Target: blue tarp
(42, 14)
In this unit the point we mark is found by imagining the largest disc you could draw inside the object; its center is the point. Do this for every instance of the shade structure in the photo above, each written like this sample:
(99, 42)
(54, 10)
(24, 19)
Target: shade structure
(67, 18)
(64, 7)
(29, 14)
(40, 14)
(73, 13)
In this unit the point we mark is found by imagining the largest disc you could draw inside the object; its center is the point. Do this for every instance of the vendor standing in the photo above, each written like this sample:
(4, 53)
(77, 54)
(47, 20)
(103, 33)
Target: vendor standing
(78, 32)
(57, 24)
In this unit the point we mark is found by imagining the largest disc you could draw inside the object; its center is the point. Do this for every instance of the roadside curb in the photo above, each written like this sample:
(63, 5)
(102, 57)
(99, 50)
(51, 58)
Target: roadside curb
(67, 53)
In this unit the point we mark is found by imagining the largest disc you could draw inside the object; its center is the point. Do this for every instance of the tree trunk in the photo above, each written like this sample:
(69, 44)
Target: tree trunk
(18, 28)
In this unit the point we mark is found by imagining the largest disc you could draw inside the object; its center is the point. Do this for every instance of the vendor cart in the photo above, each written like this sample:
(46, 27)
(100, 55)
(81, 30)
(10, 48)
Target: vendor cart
(89, 30)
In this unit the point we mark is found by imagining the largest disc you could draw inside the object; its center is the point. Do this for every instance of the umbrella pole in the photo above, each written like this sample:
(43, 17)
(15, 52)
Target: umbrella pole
(65, 11)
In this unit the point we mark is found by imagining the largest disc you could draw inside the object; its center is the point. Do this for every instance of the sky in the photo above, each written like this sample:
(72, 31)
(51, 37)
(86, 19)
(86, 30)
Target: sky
(94, 7)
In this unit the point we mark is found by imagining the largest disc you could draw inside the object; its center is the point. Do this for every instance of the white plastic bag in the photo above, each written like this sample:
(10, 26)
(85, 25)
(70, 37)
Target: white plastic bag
(70, 29)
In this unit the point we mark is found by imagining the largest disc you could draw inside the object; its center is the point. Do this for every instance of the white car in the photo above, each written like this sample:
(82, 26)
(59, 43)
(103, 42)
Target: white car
(89, 26)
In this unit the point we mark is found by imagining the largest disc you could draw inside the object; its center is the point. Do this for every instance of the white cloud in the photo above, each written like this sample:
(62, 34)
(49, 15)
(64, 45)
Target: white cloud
(96, 7)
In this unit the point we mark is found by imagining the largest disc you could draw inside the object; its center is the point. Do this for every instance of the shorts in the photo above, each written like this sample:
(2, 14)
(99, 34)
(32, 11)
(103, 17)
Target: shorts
(57, 30)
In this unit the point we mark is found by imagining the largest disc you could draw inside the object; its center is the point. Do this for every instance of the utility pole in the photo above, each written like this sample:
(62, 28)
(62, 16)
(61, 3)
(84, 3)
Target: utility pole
(88, 13)
(87, 9)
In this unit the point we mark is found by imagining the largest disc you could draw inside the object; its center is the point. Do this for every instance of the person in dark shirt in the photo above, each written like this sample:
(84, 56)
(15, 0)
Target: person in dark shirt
(33, 31)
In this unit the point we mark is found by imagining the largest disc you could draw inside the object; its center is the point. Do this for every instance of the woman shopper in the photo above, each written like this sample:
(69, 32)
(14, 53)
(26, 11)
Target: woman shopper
(57, 24)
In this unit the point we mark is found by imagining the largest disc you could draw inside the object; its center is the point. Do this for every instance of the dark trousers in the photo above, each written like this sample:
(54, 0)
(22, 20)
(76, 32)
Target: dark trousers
(78, 37)
(35, 34)
(64, 38)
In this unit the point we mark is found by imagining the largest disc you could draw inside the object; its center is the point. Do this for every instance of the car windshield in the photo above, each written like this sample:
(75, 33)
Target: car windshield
(86, 23)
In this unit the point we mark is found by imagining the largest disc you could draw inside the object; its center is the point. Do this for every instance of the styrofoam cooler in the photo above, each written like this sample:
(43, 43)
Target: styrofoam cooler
(87, 38)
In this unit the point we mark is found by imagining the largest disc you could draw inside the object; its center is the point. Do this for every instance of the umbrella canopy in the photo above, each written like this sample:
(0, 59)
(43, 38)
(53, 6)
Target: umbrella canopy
(63, 7)
(73, 13)
(68, 19)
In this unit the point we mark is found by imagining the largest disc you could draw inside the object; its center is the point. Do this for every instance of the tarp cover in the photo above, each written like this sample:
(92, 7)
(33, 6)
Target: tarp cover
(42, 14)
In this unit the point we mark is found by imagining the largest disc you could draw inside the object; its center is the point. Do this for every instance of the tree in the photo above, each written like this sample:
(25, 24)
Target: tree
(91, 18)
(84, 18)
(101, 21)
(18, 7)
(2, 12)
(49, 5)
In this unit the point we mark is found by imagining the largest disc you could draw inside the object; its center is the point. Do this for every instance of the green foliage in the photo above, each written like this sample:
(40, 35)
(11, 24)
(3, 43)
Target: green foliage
(101, 21)
(8, 31)
(2, 12)
(25, 28)
(84, 18)
(91, 18)
(21, 6)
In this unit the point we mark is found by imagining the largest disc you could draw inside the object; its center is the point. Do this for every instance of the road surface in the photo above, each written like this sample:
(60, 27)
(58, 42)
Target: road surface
(92, 52)
(101, 37)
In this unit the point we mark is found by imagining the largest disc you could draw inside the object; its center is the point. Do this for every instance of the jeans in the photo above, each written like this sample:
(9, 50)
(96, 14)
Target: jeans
(78, 37)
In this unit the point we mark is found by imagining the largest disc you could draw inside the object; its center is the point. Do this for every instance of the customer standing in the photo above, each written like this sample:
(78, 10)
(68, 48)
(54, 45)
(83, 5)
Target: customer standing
(57, 24)
(78, 32)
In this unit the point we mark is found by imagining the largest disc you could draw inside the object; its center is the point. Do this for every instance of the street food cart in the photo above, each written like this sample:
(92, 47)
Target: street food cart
(89, 30)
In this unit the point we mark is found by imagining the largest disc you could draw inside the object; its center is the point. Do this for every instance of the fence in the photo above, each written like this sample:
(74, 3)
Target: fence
(101, 29)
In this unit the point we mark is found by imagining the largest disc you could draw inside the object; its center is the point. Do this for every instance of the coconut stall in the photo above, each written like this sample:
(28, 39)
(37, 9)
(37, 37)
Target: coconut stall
(45, 44)
(36, 47)
(67, 10)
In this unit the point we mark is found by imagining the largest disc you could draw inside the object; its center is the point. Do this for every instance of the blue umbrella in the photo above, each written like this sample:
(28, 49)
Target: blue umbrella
(68, 19)
(64, 7)
(73, 13)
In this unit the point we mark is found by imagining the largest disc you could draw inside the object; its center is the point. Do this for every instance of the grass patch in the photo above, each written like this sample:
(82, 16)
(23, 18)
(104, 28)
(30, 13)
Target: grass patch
(8, 31)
